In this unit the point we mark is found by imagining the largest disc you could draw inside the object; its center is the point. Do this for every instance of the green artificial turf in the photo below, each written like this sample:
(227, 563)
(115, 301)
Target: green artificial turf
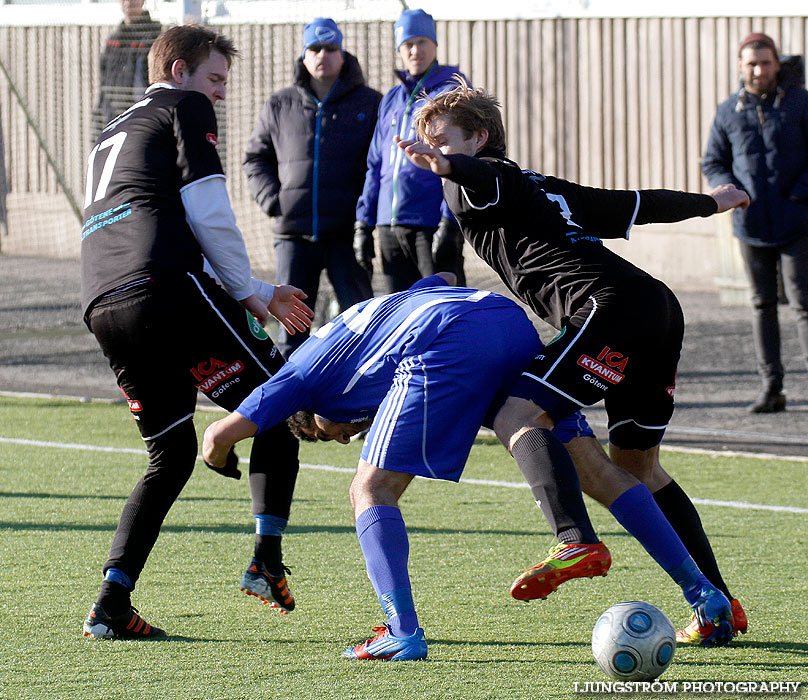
(60, 500)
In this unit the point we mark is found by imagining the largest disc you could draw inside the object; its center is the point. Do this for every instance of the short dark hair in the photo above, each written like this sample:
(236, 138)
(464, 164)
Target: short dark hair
(472, 109)
(188, 42)
(301, 419)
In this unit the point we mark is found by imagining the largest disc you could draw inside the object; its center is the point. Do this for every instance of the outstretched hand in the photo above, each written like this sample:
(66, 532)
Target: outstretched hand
(288, 307)
(729, 197)
(426, 157)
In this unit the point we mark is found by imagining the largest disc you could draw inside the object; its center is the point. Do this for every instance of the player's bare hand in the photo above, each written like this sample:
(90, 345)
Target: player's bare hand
(214, 452)
(288, 307)
(221, 435)
(424, 156)
(729, 197)
(256, 307)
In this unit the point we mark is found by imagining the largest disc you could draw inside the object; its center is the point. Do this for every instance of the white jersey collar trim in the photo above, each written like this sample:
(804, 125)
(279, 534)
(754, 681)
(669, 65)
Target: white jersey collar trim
(155, 86)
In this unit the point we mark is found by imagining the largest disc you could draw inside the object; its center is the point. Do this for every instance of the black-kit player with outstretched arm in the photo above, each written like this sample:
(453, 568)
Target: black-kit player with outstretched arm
(620, 331)
(157, 216)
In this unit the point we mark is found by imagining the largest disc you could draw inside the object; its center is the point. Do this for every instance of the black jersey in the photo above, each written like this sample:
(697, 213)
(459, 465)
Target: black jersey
(135, 226)
(542, 235)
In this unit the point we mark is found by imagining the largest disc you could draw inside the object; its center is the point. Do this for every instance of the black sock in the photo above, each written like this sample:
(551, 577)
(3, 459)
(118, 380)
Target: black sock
(171, 462)
(684, 518)
(268, 550)
(550, 473)
(273, 472)
(114, 598)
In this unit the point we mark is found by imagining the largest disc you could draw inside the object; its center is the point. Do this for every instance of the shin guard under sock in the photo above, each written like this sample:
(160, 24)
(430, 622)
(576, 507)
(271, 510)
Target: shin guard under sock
(639, 514)
(384, 542)
(550, 473)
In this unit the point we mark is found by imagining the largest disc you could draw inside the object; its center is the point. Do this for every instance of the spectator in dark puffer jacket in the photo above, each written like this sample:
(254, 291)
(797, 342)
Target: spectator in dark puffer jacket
(305, 164)
(759, 143)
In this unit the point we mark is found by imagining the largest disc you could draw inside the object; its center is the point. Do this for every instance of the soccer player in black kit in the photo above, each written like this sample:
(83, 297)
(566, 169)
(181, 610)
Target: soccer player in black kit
(620, 334)
(157, 209)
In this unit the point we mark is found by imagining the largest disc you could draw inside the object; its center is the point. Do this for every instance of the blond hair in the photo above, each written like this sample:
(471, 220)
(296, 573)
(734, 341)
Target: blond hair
(472, 109)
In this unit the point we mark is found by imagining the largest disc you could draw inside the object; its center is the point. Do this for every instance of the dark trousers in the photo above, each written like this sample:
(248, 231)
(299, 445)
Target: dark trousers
(406, 255)
(449, 256)
(300, 262)
(761, 269)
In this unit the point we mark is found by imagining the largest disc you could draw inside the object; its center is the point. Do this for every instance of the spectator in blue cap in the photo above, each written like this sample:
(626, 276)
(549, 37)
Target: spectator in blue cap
(417, 233)
(305, 164)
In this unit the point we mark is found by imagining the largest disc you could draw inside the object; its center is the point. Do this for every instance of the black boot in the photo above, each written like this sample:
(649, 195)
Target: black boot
(771, 400)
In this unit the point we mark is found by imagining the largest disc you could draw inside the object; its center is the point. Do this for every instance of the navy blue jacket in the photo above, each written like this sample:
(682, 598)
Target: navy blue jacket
(761, 146)
(305, 161)
(396, 191)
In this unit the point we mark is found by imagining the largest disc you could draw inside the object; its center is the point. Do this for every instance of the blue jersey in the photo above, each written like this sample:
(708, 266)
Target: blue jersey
(344, 370)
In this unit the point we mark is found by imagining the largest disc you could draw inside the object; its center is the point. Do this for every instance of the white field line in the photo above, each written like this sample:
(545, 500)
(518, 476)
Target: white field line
(704, 432)
(325, 467)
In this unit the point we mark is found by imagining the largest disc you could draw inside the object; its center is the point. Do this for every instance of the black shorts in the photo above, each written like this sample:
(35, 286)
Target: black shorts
(623, 348)
(167, 340)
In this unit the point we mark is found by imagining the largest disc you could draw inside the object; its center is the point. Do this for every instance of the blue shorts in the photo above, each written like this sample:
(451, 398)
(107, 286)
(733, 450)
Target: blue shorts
(439, 398)
(572, 427)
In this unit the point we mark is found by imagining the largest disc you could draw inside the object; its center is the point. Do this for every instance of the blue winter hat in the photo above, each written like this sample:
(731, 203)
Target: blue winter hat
(321, 30)
(414, 23)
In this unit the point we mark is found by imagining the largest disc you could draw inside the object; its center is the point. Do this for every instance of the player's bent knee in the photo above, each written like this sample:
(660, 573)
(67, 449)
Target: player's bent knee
(643, 464)
(516, 417)
(372, 486)
(600, 478)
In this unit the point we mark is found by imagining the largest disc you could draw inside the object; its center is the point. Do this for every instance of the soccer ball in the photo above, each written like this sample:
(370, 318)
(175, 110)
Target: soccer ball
(633, 641)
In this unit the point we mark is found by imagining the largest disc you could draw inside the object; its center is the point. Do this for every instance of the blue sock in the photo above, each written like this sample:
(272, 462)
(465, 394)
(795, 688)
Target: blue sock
(637, 511)
(383, 539)
(269, 525)
(120, 577)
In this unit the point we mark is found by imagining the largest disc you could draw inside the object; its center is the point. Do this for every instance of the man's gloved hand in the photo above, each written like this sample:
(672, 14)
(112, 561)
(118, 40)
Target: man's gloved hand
(363, 246)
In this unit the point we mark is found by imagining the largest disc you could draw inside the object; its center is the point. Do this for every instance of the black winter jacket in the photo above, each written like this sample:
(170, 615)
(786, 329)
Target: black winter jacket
(761, 146)
(123, 67)
(305, 161)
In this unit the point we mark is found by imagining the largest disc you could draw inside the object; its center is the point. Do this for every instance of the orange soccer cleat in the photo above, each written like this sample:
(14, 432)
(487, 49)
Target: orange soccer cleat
(565, 561)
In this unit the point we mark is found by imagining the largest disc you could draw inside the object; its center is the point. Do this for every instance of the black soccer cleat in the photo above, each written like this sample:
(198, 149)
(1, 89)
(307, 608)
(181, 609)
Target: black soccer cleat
(128, 625)
(270, 588)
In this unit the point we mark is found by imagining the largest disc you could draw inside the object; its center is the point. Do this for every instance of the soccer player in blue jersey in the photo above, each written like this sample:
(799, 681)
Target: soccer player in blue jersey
(423, 369)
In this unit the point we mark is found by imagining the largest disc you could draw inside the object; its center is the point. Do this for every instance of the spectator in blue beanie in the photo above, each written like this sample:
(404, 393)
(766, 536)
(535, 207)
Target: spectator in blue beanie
(417, 233)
